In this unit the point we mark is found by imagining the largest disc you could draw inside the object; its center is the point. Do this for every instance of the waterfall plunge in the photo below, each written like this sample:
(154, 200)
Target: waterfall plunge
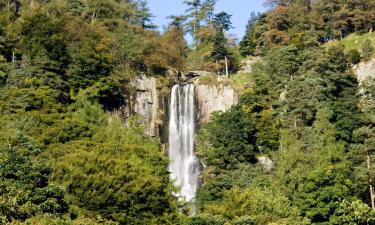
(184, 166)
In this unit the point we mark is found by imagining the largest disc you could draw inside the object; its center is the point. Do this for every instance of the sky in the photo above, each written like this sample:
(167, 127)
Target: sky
(239, 9)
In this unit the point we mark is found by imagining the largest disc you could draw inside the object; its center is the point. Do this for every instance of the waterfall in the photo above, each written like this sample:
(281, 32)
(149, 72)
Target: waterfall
(184, 166)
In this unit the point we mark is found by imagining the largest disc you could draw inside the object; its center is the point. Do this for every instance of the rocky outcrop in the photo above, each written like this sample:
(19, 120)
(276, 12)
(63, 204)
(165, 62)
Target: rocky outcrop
(152, 103)
(266, 163)
(147, 102)
(365, 70)
(212, 98)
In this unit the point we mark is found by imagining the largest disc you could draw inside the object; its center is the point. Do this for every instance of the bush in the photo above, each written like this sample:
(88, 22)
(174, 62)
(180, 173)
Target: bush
(355, 212)
(354, 56)
(231, 135)
(367, 50)
(24, 182)
(206, 220)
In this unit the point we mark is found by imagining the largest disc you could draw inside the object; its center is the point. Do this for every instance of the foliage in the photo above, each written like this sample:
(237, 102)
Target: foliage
(24, 184)
(211, 46)
(290, 20)
(231, 137)
(248, 42)
(64, 160)
(354, 40)
(205, 220)
(354, 212)
(262, 206)
(302, 111)
(354, 56)
(367, 50)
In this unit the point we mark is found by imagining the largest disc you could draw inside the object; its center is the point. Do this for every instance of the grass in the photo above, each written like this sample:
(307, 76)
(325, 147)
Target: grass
(238, 82)
(355, 41)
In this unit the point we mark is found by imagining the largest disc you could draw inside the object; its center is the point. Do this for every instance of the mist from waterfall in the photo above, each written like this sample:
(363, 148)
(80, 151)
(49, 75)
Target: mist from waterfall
(184, 166)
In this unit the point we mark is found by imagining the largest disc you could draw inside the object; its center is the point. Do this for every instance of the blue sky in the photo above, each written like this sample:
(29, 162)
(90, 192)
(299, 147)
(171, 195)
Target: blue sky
(239, 9)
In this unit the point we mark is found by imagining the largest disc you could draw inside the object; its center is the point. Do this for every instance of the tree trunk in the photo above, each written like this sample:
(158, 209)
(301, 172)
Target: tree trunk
(226, 67)
(93, 17)
(371, 189)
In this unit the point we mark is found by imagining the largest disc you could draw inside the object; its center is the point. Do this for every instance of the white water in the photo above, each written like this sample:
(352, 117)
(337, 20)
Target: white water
(184, 166)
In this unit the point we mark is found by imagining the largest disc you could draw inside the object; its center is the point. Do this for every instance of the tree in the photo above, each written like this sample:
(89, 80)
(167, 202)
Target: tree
(222, 21)
(75, 7)
(199, 14)
(177, 21)
(25, 187)
(91, 61)
(277, 25)
(364, 153)
(274, 3)
(354, 56)
(144, 15)
(257, 205)
(193, 15)
(118, 173)
(363, 148)
(231, 136)
(367, 50)
(221, 24)
(44, 42)
(5, 45)
(248, 44)
(174, 45)
(354, 212)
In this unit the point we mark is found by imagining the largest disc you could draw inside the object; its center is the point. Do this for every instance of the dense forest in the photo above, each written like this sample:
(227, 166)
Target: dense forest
(66, 156)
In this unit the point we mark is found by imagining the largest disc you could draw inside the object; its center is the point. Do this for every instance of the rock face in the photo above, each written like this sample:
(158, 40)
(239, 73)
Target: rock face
(153, 105)
(147, 103)
(365, 70)
(214, 98)
(266, 162)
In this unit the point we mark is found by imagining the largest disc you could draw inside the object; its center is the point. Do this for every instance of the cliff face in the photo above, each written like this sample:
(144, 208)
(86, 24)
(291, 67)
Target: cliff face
(147, 102)
(365, 70)
(153, 106)
(214, 98)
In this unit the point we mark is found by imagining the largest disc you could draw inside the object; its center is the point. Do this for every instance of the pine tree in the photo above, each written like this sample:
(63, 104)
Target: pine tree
(248, 42)
(221, 24)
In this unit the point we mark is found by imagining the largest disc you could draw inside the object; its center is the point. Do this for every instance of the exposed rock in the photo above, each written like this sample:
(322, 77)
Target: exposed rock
(365, 70)
(214, 98)
(147, 103)
(283, 95)
(152, 104)
(266, 162)
(126, 110)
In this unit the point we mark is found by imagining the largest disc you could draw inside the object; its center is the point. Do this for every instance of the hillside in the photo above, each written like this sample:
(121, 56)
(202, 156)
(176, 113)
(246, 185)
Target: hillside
(355, 41)
(104, 121)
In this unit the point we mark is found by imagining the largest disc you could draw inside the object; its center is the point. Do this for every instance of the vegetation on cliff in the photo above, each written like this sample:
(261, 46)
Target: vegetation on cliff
(66, 158)
(305, 111)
